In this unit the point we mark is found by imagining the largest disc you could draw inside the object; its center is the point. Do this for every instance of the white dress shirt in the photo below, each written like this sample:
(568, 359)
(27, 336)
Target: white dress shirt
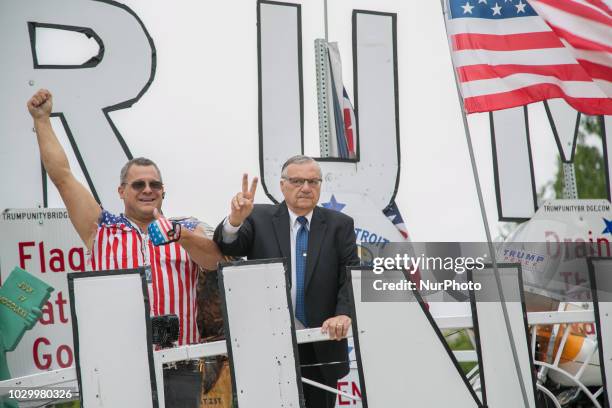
(230, 233)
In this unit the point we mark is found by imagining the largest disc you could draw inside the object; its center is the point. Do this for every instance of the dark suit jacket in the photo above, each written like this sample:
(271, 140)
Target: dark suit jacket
(331, 248)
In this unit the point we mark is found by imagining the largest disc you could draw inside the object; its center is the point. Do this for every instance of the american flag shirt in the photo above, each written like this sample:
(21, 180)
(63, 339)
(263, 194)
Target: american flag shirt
(171, 274)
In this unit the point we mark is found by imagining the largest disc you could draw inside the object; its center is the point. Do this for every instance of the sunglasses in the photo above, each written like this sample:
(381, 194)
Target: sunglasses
(140, 185)
(299, 182)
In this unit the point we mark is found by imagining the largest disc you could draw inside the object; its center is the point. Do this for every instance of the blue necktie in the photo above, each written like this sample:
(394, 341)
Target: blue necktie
(301, 249)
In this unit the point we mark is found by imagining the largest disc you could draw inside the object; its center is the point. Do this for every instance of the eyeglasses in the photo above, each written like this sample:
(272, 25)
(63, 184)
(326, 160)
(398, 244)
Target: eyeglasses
(140, 185)
(299, 182)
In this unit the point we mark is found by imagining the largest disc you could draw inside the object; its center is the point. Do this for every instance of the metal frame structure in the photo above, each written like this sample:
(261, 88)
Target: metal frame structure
(67, 375)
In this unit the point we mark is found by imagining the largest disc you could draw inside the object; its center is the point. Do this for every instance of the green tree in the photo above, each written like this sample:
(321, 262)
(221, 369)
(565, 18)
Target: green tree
(588, 162)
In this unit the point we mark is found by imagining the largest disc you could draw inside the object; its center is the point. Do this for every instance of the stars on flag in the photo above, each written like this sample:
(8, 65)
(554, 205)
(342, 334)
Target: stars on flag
(467, 8)
(155, 233)
(190, 225)
(496, 9)
(111, 220)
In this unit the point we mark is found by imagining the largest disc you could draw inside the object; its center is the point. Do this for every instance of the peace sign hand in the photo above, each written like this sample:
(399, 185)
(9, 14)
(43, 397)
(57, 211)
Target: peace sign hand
(242, 203)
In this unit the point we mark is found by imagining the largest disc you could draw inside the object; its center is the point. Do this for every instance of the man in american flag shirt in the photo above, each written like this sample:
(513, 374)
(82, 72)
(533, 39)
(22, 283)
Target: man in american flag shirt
(140, 237)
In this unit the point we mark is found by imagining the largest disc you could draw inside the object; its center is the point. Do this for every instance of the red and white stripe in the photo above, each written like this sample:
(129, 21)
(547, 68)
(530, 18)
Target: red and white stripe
(513, 62)
(350, 124)
(174, 274)
(164, 226)
(585, 29)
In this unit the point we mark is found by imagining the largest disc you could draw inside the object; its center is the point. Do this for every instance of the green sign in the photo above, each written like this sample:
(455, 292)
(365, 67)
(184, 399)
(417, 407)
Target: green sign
(21, 298)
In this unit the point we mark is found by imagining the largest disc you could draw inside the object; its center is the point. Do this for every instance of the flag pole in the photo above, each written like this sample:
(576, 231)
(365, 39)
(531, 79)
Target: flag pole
(325, 19)
(486, 222)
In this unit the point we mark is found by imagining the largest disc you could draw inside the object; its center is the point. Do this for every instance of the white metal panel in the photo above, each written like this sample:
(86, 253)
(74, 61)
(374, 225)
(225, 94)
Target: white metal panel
(260, 335)
(80, 94)
(403, 357)
(563, 123)
(496, 353)
(113, 351)
(376, 104)
(514, 172)
(281, 102)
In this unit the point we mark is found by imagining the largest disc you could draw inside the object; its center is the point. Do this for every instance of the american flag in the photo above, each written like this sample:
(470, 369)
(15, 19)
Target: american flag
(159, 231)
(506, 55)
(350, 124)
(344, 129)
(392, 212)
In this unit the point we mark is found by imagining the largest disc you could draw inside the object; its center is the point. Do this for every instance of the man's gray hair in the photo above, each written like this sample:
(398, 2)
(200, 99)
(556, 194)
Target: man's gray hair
(298, 159)
(138, 161)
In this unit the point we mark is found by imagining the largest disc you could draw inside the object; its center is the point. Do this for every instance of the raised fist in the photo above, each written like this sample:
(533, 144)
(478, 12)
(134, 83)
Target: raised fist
(40, 104)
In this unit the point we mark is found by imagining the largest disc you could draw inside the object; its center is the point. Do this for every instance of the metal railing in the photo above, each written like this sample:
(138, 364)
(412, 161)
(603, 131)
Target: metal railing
(559, 319)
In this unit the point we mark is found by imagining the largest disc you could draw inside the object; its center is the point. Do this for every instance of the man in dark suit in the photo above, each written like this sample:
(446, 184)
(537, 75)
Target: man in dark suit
(320, 244)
